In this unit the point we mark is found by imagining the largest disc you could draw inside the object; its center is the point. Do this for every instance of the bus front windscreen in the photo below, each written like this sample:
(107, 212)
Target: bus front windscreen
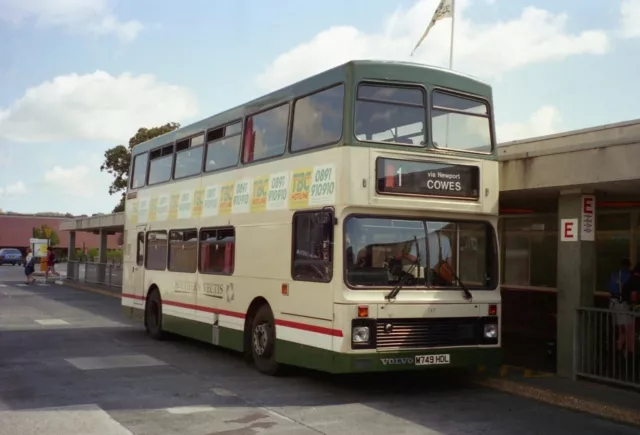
(380, 252)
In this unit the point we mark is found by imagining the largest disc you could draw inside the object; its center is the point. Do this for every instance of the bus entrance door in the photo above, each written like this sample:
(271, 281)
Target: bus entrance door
(138, 268)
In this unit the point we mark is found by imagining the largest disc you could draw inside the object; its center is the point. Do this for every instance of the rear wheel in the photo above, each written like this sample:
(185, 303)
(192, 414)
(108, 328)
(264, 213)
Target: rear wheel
(153, 315)
(263, 341)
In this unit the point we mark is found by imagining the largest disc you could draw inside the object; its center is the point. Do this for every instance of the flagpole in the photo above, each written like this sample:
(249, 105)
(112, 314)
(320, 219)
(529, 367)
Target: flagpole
(453, 21)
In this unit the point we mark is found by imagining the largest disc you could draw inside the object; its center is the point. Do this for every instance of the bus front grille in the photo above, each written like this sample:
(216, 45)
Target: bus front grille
(426, 333)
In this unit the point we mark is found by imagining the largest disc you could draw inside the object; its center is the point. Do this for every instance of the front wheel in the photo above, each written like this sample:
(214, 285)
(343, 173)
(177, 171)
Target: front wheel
(153, 316)
(263, 341)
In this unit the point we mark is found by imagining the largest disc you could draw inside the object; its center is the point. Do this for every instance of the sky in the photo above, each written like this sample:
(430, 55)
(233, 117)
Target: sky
(80, 76)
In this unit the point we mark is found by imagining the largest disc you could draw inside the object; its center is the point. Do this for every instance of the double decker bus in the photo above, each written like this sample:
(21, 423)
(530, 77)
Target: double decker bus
(345, 223)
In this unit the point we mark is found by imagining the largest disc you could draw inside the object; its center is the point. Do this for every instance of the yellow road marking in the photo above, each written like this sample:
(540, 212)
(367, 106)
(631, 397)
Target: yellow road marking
(92, 290)
(611, 412)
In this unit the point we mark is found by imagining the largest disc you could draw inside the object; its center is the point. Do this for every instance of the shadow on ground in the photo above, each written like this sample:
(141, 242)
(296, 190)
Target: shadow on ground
(35, 373)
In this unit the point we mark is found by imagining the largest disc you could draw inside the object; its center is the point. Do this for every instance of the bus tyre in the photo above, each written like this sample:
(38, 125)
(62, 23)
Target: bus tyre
(153, 316)
(263, 341)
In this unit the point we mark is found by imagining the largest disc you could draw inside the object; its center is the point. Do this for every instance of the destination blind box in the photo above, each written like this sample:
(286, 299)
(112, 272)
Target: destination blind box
(422, 178)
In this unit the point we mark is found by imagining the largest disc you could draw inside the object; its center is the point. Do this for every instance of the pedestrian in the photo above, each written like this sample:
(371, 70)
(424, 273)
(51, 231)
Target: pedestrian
(51, 261)
(29, 267)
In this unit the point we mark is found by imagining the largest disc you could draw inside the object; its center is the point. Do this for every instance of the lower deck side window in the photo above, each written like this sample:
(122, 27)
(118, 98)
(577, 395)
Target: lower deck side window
(183, 251)
(217, 250)
(156, 258)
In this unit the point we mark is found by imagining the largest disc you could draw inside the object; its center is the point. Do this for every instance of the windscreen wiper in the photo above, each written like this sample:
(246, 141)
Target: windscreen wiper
(394, 292)
(467, 294)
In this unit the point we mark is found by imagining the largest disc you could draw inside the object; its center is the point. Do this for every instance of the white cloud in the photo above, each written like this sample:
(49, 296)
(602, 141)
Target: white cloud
(83, 181)
(92, 16)
(60, 176)
(16, 189)
(481, 49)
(5, 156)
(545, 120)
(630, 18)
(95, 106)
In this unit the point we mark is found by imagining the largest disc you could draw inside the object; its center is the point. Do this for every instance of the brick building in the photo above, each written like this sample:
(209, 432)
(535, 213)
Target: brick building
(17, 229)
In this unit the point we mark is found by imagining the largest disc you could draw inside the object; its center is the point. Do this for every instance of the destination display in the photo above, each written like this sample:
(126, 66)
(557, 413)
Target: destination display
(410, 177)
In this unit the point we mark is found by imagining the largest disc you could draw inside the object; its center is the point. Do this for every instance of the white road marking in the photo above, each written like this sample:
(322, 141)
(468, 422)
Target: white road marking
(223, 393)
(114, 362)
(52, 322)
(190, 409)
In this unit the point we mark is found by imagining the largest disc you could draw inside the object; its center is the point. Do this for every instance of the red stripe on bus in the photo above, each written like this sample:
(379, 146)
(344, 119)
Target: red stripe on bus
(205, 309)
(310, 328)
(287, 323)
(130, 296)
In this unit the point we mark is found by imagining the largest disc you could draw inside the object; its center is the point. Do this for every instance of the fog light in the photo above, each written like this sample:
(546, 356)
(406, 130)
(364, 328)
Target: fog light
(491, 331)
(360, 334)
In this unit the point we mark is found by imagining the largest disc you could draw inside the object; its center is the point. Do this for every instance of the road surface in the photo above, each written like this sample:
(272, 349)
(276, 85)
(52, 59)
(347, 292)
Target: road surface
(70, 364)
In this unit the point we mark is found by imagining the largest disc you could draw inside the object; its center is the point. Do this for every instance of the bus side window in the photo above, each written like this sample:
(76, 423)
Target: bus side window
(312, 256)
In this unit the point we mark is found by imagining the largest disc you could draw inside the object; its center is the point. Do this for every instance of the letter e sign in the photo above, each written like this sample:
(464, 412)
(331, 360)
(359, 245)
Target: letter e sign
(569, 230)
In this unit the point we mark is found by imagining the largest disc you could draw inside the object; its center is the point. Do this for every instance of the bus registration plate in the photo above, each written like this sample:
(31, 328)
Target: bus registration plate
(430, 360)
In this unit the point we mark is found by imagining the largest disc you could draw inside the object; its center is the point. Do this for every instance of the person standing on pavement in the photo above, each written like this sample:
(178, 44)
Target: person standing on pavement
(619, 302)
(29, 267)
(629, 294)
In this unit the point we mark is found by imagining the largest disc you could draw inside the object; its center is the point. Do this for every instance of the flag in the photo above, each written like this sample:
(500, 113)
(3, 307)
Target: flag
(444, 10)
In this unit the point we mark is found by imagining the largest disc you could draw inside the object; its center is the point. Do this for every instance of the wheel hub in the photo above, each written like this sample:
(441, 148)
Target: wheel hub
(260, 339)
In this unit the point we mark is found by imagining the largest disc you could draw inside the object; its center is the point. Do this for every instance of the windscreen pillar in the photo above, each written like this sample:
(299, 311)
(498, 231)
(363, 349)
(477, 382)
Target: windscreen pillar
(576, 270)
(71, 256)
(102, 262)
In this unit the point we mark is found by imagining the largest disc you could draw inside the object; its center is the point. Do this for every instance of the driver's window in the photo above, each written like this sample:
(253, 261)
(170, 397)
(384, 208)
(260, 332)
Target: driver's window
(312, 256)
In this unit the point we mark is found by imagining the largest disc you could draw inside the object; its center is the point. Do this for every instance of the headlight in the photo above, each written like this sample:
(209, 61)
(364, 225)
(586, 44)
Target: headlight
(360, 334)
(491, 330)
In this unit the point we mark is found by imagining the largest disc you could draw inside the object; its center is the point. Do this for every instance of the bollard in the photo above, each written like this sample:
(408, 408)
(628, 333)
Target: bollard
(43, 264)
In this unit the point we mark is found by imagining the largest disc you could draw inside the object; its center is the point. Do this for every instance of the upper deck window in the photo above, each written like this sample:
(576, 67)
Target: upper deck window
(391, 114)
(161, 163)
(139, 170)
(317, 119)
(460, 123)
(265, 134)
(223, 147)
(189, 157)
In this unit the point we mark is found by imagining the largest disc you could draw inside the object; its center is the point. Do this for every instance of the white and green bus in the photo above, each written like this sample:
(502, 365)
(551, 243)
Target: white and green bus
(345, 223)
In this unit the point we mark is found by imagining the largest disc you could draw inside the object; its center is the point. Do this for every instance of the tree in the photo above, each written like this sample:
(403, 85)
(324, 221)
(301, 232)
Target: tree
(38, 233)
(118, 159)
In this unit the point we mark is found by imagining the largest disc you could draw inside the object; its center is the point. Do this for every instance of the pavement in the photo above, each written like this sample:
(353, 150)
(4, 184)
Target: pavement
(70, 364)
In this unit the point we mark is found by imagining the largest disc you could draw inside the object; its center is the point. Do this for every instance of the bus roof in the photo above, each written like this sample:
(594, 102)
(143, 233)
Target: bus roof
(356, 70)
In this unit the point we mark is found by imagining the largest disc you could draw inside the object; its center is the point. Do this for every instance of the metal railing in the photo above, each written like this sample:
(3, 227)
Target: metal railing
(606, 345)
(109, 274)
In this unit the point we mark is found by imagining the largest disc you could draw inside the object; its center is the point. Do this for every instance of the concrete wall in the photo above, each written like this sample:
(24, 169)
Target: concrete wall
(110, 221)
(587, 157)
